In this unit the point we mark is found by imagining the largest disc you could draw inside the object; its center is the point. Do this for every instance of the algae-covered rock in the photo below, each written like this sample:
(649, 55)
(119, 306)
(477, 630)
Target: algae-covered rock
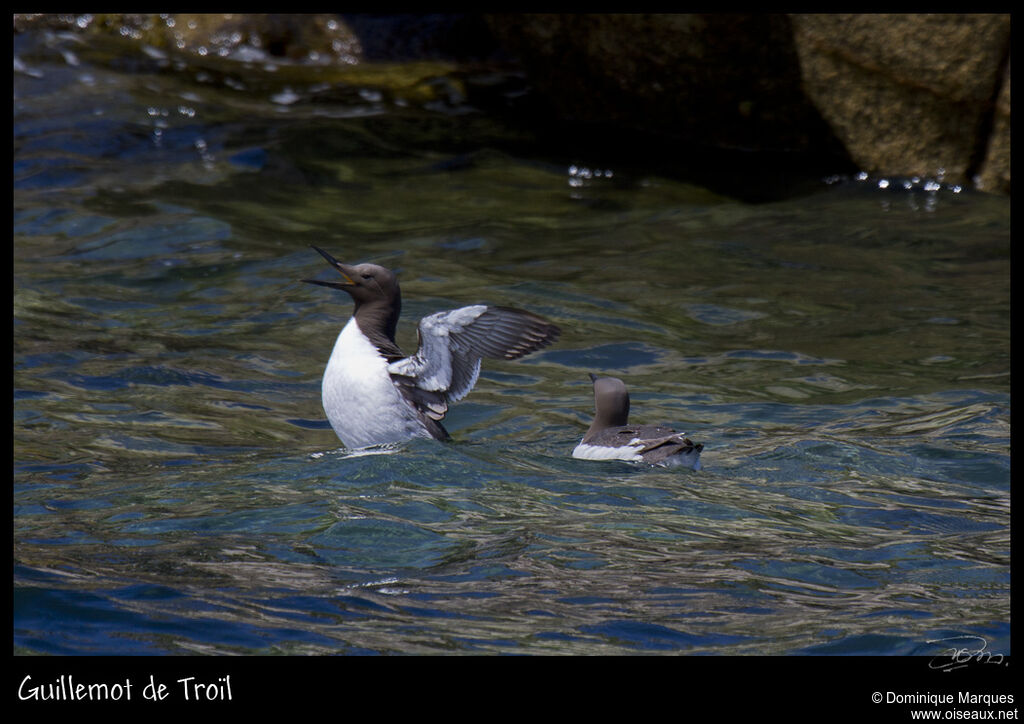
(892, 95)
(302, 37)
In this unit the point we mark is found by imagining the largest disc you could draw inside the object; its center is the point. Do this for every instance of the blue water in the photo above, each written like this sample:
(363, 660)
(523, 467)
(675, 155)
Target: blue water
(844, 358)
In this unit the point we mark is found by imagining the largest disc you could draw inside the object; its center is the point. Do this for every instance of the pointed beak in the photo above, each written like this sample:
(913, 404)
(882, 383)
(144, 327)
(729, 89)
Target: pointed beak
(347, 272)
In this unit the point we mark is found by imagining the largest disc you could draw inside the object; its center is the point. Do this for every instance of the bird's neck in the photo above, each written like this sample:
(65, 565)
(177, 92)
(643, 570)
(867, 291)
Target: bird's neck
(379, 322)
(605, 419)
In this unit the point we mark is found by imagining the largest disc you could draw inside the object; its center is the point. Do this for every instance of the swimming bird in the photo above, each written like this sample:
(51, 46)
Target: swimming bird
(611, 437)
(374, 394)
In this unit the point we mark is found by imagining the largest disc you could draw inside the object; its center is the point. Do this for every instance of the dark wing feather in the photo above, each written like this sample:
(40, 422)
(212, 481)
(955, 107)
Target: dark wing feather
(504, 333)
(662, 442)
(447, 363)
(654, 443)
(430, 405)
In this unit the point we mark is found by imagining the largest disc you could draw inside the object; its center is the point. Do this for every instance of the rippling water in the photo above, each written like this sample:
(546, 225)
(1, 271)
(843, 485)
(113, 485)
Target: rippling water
(844, 358)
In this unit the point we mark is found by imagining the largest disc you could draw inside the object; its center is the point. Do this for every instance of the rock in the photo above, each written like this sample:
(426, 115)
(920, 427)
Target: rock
(748, 97)
(903, 95)
(301, 37)
(911, 94)
(713, 99)
(398, 37)
(995, 170)
(728, 81)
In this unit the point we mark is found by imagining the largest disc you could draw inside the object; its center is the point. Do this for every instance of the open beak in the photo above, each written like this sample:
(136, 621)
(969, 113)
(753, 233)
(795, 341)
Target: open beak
(347, 272)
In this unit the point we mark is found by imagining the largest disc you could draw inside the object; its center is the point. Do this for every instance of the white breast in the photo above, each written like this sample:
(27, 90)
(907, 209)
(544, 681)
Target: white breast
(362, 404)
(603, 452)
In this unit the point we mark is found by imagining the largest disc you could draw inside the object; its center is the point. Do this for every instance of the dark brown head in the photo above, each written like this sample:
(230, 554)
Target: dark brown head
(374, 290)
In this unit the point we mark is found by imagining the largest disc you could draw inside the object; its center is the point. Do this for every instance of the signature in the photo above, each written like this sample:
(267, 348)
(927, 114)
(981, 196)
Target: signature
(968, 650)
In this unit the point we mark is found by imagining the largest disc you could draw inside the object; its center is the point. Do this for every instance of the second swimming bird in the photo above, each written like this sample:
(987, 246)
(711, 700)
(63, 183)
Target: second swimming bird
(374, 394)
(611, 437)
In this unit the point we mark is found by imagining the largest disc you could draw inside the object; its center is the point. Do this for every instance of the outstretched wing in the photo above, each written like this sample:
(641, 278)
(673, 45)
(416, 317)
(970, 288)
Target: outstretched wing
(447, 363)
